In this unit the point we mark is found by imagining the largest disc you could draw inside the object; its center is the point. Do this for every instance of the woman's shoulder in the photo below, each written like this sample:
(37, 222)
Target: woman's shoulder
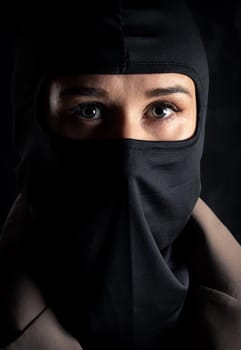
(26, 322)
(214, 259)
(44, 332)
(215, 253)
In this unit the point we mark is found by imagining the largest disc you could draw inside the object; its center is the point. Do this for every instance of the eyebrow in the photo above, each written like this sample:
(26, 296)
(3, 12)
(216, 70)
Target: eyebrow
(176, 89)
(97, 92)
(83, 91)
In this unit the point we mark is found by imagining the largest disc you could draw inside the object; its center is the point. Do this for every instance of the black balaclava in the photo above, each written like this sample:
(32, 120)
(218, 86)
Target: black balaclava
(107, 213)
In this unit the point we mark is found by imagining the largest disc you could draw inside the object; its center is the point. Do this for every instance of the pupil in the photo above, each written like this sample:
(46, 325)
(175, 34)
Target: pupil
(159, 110)
(89, 111)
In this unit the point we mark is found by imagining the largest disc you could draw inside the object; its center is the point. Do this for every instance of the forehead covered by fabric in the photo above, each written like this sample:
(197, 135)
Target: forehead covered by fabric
(109, 37)
(118, 37)
(121, 37)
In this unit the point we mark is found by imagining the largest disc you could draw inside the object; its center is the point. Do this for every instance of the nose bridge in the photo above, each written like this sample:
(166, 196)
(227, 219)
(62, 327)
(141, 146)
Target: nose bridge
(127, 122)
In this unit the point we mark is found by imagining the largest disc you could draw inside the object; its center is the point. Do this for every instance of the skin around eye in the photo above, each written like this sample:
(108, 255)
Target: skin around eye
(143, 106)
(162, 110)
(91, 111)
(88, 110)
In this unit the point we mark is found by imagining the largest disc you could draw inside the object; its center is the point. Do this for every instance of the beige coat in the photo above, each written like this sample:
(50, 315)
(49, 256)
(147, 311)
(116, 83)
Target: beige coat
(214, 312)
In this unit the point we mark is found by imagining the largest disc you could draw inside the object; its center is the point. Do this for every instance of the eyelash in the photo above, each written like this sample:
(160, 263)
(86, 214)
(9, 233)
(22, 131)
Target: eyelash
(164, 105)
(73, 112)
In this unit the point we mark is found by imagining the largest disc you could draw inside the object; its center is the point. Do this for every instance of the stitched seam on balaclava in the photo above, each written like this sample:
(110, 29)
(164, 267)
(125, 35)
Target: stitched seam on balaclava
(123, 64)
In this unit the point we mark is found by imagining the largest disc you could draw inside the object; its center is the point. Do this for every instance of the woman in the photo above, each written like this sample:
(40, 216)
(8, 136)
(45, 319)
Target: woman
(108, 244)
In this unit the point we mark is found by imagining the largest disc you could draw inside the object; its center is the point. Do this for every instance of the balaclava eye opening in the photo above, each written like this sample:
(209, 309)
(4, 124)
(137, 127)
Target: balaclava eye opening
(108, 212)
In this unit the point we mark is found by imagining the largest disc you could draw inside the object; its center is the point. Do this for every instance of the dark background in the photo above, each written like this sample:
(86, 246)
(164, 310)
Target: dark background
(220, 27)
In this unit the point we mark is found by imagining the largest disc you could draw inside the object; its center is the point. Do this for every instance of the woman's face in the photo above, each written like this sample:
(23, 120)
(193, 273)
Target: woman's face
(160, 107)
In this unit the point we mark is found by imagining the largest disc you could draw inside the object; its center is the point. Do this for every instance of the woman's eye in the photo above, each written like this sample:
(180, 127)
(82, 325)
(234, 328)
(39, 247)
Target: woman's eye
(87, 110)
(161, 111)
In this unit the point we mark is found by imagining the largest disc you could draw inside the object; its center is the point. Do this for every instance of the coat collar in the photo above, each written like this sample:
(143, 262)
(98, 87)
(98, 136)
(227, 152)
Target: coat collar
(214, 253)
(214, 259)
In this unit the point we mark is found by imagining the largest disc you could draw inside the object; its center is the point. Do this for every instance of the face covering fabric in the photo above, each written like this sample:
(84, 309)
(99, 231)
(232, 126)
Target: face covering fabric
(111, 220)
(107, 214)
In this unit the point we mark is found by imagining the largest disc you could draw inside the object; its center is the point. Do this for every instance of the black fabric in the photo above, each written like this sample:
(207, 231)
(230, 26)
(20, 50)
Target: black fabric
(108, 212)
(110, 230)
(113, 37)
